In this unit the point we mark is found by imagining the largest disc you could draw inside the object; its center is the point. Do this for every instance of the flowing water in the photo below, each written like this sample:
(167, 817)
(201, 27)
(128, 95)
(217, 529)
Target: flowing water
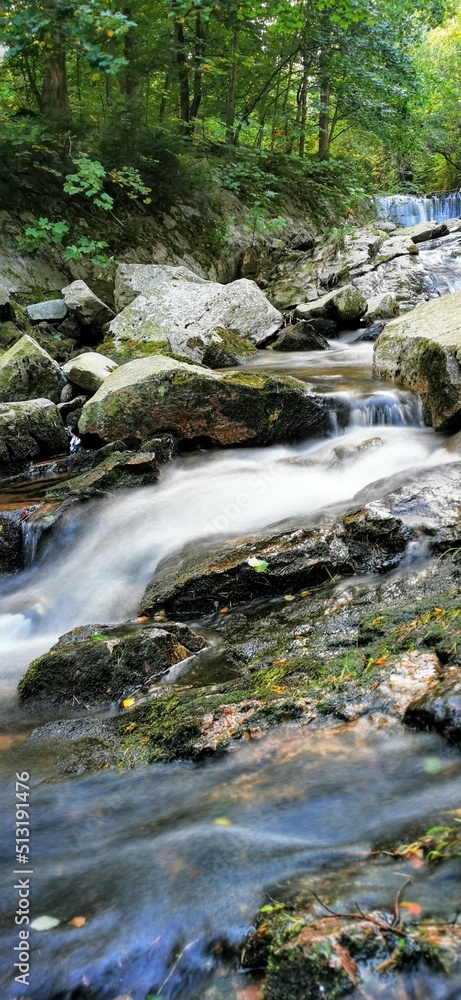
(409, 210)
(169, 864)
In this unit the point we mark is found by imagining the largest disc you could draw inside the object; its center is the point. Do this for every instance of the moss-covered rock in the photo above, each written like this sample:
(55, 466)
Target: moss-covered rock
(29, 430)
(423, 351)
(343, 305)
(29, 372)
(88, 371)
(187, 314)
(98, 663)
(159, 395)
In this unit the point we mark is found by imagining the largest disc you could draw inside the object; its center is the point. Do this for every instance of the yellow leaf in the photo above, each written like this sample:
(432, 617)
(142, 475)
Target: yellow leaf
(78, 921)
(128, 702)
(94, 77)
(414, 909)
(110, 33)
(222, 821)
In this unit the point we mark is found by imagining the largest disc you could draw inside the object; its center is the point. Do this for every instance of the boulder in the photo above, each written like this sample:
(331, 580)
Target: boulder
(425, 231)
(396, 246)
(50, 312)
(132, 280)
(181, 314)
(29, 372)
(291, 282)
(381, 306)
(28, 431)
(423, 351)
(372, 536)
(100, 662)
(300, 337)
(404, 278)
(26, 274)
(85, 305)
(343, 305)
(157, 395)
(12, 539)
(88, 371)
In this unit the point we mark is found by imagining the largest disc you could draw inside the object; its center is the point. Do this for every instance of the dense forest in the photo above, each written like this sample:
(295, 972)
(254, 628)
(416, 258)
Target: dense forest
(161, 96)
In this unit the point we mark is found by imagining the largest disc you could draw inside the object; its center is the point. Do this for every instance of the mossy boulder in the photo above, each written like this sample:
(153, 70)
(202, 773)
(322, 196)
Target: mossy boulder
(344, 306)
(27, 371)
(99, 663)
(28, 431)
(159, 395)
(88, 371)
(186, 315)
(422, 350)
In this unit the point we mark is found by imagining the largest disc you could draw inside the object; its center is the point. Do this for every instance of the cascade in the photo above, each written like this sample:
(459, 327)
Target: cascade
(409, 210)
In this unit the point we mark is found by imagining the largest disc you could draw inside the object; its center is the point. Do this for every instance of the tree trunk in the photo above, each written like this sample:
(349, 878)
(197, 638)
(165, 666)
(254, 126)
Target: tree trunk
(55, 94)
(199, 52)
(232, 89)
(183, 76)
(302, 101)
(324, 131)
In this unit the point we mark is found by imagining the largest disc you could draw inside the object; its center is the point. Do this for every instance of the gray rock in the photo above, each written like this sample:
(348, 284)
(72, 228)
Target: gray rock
(425, 231)
(292, 282)
(12, 539)
(157, 395)
(28, 431)
(22, 275)
(51, 311)
(344, 305)
(29, 372)
(300, 337)
(404, 278)
(439, 708)
(88, 371)
(132, 280)
(381, 306)
(182, 315)
(423, 351)
(85, 305)
(396, 246)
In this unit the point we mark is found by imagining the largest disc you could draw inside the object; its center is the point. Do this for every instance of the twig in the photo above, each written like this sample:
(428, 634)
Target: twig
(396, 920)
(175, 966)
(385, 927)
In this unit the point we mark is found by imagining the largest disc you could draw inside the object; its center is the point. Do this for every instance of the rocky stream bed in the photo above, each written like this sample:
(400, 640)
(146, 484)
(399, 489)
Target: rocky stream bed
(230, 629)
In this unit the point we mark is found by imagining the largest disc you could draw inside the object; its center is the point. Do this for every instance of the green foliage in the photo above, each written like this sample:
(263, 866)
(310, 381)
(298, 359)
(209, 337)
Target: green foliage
(89, 180)
(45, 233)
(92, 249)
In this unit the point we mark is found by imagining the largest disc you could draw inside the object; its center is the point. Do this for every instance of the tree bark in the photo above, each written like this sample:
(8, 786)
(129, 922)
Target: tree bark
(164, 97)
(324, 131)
(232, 89)
(128, 52)
(302, 101)
(55, 94)
(199, 52)
(183, 76)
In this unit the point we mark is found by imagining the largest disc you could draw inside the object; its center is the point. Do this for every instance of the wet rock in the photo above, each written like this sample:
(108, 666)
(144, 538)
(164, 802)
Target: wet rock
(396, 246)
(100, 663)
(117, 470)
(343, 305)
(29, 430)
(369, 538)
(85, 306)
(300, 337)
(29, 372)
(381, 307)
(423, 351)
(181, 315)
(11, 539)
(425, 231)
(67, 393)
(439, 708)
(51, 311)
(157, 395)
(88, 371)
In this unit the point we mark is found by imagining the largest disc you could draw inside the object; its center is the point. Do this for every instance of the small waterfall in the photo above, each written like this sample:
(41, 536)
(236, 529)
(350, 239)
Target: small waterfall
(390, 409)
(33, 528)
(409, 210)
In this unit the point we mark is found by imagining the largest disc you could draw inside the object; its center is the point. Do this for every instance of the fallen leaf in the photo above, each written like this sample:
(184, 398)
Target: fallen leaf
(78, 921)
(128, 702)
(276, 662)
(44, 923)
(414, 909)
(222, 821)
(289, 597)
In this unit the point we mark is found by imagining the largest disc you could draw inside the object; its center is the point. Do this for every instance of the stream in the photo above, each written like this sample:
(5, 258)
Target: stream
(169, 864)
